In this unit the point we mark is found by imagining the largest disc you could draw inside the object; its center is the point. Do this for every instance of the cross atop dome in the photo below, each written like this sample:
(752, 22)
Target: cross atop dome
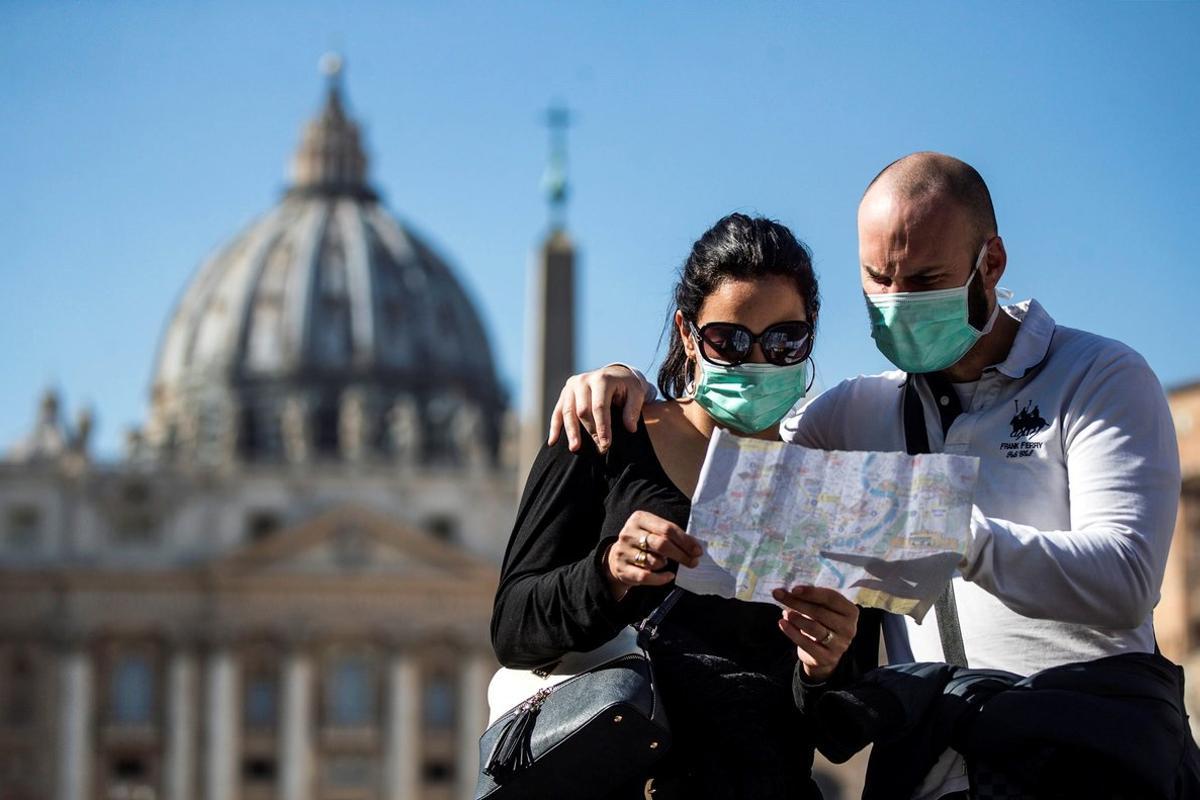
(554, 180)
(331, 159)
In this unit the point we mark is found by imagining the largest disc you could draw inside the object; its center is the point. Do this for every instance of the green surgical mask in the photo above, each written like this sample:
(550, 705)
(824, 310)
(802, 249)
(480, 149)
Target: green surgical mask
(926, 331)
(749, 397)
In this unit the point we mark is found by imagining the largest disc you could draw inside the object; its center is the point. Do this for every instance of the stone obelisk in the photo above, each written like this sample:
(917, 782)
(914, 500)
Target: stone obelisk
(550, 336)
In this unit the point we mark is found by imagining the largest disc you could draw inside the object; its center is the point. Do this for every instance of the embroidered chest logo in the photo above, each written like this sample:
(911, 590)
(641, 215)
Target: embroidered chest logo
(1026, 423)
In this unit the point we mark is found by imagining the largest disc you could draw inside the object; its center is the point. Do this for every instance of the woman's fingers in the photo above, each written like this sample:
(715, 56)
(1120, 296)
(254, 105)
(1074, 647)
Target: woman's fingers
(629, 572)
(824, 605)
(646, 543)
(677, 535)
(663, 537)
(819, 662)
(821, 623)
(805, 636)
(664, 548)
(822, 596)
(815, 630)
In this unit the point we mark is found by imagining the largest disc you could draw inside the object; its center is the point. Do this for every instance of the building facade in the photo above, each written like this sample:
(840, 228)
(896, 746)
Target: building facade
(1177, 616)
(283, 589)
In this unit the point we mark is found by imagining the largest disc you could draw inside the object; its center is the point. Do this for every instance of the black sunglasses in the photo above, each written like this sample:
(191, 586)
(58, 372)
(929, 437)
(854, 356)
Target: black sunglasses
(728, 344)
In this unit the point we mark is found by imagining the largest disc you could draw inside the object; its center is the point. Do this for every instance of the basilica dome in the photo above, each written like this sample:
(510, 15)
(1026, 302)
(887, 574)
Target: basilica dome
(326, 330)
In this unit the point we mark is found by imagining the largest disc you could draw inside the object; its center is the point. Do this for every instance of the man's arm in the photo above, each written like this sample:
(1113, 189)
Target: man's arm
(1123, 473)
(586, 402)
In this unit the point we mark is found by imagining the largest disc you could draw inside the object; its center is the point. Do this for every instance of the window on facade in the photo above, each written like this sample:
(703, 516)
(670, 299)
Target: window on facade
(439, 703)
(1189, 511)
(262, 524)
(327, 428)
(132, 691)
(350, 694)
(135, 520)
(438, 772)
(259, 769)
(442, 527)
(349, 772)
(260, 704)
(19, 683)
(129, 768)
(250, 434)
(259, 433)
(24, 527)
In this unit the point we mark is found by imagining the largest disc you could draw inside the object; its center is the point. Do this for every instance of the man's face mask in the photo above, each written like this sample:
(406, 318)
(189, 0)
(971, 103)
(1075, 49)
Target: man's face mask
(926, 331)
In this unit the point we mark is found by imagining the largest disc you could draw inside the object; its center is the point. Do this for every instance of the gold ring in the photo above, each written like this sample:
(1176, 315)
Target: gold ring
(827, 638)
(640, 560)
(644, 542)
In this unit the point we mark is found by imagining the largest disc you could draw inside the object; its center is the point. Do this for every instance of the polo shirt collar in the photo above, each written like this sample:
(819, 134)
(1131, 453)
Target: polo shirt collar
(1032, 342)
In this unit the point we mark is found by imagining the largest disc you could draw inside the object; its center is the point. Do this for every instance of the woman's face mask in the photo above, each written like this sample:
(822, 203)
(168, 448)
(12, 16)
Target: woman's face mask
(749, 397)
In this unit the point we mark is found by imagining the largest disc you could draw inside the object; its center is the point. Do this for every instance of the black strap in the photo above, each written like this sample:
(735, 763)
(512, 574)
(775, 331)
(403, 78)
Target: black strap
(916, 440)
(648, 628)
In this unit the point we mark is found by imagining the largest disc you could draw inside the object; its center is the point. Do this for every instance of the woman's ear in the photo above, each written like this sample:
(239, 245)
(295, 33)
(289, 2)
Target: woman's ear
(685, 335)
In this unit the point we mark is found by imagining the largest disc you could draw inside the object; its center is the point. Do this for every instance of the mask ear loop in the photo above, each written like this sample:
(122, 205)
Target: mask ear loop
(812, 374)
(689, 388)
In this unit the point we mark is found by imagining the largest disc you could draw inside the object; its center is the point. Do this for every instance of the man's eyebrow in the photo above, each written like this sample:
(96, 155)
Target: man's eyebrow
(919, 272)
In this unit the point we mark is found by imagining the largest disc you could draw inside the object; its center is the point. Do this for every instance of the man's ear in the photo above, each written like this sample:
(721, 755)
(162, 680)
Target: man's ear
(994, 263)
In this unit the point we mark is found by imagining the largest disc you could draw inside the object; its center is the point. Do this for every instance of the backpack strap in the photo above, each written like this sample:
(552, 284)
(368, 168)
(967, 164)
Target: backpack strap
(916, 440)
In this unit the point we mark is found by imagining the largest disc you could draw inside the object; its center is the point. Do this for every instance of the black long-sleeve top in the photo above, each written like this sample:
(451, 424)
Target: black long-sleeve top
(723, 668)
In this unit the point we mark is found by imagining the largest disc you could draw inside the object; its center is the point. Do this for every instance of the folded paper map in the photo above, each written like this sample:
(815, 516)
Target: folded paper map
(887, 530)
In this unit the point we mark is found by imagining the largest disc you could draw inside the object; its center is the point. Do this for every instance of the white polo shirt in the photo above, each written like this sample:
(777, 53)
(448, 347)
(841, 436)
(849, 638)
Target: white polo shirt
(1074, 510)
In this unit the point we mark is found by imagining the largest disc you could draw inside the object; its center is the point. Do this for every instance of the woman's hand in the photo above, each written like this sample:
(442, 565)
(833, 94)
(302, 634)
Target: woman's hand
(640, 554)
(821, 623)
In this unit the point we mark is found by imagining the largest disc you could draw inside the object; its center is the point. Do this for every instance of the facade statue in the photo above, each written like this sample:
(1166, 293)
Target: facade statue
(297, 430)
(354, 426)
(468, 436)
(404, 432)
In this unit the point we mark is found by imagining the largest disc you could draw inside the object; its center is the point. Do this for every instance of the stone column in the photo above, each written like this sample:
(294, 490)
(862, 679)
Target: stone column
(296, 728)
(75, 724)
(403, 740)
(477, 670)
(221, 757)
(180, 767)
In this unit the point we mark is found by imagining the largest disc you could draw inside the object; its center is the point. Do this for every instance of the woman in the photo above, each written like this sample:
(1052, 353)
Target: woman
(598, 537)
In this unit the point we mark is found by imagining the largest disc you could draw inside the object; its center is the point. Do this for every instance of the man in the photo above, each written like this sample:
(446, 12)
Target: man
(1079, 475)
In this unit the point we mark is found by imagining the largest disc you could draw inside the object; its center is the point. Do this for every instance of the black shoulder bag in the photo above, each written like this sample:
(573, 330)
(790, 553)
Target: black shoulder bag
(594, 722)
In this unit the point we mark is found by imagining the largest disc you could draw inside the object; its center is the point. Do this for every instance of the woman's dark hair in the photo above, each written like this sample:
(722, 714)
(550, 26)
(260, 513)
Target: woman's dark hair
(742, 248)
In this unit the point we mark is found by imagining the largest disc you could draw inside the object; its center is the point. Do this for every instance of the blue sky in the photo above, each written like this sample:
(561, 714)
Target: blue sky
(136, 137)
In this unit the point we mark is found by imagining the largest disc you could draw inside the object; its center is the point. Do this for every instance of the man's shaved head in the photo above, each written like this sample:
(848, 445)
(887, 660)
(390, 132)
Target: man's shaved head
(935, 178)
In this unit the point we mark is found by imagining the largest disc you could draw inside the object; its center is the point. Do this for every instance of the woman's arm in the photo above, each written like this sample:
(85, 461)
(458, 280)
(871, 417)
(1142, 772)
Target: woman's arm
(554, 594)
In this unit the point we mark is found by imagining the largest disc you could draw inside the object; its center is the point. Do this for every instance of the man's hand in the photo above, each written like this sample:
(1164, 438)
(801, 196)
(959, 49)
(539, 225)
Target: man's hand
(640, 554)
(585, 400)
(821, 623)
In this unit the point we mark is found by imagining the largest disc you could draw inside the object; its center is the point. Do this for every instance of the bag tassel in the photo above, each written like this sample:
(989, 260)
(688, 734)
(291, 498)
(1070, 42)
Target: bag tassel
(513, 751)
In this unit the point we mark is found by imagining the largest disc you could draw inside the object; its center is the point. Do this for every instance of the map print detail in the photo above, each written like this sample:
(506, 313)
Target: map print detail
(885, 529)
